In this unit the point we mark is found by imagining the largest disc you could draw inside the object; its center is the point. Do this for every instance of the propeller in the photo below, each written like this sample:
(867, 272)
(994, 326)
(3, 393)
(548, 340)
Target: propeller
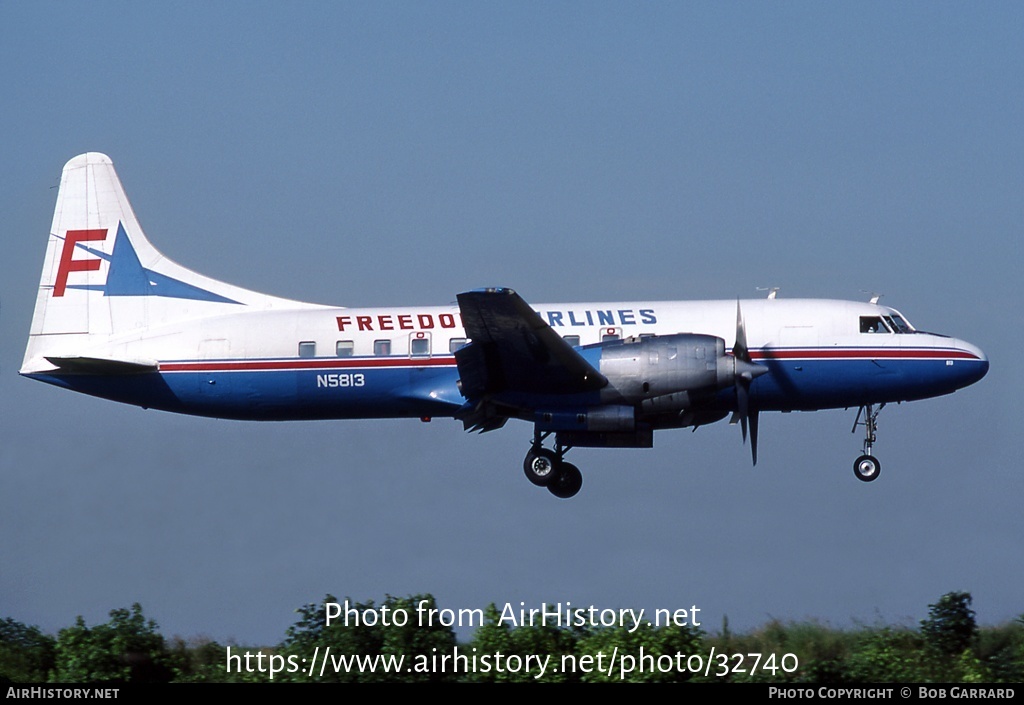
(746, 372)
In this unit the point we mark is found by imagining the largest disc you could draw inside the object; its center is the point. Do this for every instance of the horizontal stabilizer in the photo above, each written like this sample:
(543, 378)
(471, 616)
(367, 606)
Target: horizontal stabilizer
(77, 365)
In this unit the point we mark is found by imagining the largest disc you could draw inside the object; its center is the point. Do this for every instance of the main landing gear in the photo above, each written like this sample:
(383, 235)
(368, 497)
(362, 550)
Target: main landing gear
(546, 468)
(867, 467)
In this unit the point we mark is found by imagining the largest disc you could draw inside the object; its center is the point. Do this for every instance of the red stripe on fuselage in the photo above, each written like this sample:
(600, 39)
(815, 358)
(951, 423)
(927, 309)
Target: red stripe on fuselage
(442, 361)
(311, 364)
(860, 353)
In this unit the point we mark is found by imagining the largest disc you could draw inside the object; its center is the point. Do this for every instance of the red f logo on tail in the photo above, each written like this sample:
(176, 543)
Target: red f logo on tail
(67, 262)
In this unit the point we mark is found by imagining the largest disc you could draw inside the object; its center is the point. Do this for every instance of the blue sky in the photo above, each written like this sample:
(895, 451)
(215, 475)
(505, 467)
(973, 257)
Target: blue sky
(399, 153)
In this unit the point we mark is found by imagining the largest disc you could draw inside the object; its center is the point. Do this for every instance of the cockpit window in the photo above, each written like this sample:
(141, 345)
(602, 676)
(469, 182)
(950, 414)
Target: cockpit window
(897, 323)
(872, 324)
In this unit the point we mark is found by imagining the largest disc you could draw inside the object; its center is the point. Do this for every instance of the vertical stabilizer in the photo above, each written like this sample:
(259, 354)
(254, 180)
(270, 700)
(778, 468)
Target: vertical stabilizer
(102, 278)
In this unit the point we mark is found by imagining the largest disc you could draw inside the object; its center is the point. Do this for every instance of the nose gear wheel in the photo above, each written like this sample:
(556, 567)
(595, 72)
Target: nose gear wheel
(867, 467)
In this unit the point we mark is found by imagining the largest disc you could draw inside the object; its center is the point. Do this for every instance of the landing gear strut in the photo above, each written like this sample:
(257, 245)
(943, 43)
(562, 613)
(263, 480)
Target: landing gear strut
(546, 468)
(867, 467)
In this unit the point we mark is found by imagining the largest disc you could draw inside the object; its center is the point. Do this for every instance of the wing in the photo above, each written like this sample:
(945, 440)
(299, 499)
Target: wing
(514, 354)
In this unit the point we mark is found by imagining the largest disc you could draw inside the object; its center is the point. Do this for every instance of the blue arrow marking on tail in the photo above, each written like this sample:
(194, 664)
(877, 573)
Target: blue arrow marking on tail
(127, 276)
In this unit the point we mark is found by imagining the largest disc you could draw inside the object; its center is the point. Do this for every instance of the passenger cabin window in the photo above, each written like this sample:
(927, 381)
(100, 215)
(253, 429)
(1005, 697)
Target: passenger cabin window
(382, 348)
(573, 340)
(872, 324)
(609, 336)
(307, 348)
(456, 343)
(344, 348)
(419, 347)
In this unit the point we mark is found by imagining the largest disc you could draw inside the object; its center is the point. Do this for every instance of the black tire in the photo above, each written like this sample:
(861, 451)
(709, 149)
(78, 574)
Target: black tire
(541, 466)
(567, 483)
(867, 468)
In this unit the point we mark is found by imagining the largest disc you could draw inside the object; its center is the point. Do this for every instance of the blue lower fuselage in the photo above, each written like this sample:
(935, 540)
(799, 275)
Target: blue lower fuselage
(347, 388)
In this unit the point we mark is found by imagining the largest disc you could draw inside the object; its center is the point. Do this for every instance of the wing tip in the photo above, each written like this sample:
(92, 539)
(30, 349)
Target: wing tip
(491, 290)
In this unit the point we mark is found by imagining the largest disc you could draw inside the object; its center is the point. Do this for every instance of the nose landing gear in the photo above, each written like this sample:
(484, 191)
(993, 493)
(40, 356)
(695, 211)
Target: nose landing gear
(867, 467)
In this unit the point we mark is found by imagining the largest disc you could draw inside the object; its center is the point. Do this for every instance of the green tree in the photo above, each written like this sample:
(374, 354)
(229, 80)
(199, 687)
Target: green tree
(822, 652)
(950, 628)
(489, 639)
(543, 641)
(312, 633)
(887, 655)
(647, 654)
(503, 652)
(205, 661)
(781, 652)
(1002, 650)
(389, 631)
(949, 634)
(128, 648)
(421, 644)
(26, 654)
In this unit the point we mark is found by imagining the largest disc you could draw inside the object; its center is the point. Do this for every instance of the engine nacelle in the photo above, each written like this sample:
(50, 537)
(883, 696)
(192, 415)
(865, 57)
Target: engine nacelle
(666, 373)
(611, 418)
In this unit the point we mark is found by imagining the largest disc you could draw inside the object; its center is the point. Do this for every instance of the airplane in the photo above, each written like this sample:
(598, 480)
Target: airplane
(116, 319)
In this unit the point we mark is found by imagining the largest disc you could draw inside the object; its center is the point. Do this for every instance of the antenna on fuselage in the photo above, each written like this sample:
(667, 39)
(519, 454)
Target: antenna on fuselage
(772, 291)
(874, 297)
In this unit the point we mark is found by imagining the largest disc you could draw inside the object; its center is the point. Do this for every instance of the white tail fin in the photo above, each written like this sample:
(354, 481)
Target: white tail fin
(102, 279)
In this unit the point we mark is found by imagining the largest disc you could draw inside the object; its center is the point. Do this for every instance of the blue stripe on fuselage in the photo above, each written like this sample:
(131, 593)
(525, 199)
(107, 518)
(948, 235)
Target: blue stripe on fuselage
(408, 390)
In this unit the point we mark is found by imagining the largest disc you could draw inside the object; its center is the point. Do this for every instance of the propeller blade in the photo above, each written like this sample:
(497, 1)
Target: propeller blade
(746, 371)
(742, 405)
(740, 348)
(753, 435)
(739, 353)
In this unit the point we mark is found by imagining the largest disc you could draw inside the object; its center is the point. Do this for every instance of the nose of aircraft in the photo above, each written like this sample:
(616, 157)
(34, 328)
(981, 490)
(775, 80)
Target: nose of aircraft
(972, 368)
